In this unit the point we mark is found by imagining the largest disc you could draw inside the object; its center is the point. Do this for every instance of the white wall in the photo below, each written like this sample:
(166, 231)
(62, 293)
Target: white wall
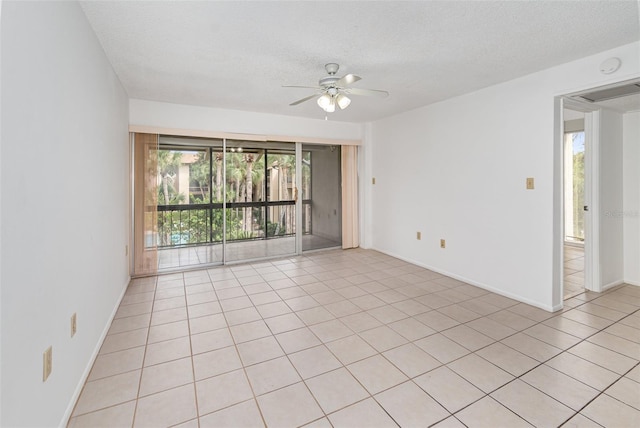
(457, 169)
(64, 211)
(0, 214)
(178, 116)
(631, 189)
(611, 205)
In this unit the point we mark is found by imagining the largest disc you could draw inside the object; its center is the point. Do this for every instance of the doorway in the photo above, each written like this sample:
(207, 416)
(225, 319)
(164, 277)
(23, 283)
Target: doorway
(609, 114)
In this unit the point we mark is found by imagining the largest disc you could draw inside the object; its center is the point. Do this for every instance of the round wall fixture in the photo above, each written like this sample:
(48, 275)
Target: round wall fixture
(610, 65)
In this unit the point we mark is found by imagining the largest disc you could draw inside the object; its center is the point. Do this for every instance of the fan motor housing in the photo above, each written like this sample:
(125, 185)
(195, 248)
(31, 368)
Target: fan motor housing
(332, 68)
(328, 81)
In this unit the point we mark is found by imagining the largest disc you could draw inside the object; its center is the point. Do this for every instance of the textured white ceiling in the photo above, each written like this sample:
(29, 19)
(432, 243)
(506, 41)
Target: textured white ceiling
(237, 55)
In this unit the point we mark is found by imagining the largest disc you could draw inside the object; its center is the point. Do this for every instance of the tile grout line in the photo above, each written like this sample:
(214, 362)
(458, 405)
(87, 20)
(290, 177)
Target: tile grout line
(193, 368)
(244, 368)
(285, 354)
(545, 361)
(579, 412)
(144, 356)
(518, 377)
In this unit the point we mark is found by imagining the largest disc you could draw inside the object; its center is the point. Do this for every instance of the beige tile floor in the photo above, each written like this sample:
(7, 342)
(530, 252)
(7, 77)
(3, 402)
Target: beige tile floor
(359, 339)
(573, 270)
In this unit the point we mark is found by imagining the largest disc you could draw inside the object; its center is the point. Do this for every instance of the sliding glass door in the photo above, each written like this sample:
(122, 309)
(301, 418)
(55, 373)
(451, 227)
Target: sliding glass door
(224, 201)
(190, 203)
(261, 203)
(217, 201)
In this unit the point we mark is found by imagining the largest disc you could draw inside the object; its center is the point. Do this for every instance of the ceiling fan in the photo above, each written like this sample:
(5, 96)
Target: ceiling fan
(333, 90)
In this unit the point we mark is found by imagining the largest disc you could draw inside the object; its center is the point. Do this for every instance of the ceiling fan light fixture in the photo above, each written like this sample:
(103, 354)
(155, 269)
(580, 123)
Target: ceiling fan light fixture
(331, 107)
(327, 103)
(324, 101)
(343, 101)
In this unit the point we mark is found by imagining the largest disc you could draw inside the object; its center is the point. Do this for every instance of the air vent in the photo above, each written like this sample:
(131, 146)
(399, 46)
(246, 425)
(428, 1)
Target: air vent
(610, 93)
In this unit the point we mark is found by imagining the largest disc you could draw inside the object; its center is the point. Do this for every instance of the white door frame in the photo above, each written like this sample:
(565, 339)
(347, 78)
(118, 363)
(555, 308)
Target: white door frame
(298, 197)
(592, 279)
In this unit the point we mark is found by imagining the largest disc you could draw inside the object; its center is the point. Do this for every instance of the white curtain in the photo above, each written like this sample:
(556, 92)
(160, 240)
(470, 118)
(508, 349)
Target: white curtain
(350, 229)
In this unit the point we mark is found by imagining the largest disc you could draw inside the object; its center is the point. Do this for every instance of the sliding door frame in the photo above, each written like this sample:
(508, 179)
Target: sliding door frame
(249, 138)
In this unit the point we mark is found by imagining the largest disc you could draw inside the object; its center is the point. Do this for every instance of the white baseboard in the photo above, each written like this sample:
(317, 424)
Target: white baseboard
(475, 283)
(612, 284)
(636, 283)
(94, 355)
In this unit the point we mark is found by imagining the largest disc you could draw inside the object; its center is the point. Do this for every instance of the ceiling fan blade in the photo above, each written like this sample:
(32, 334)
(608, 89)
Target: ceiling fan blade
(306, 87)
(347, 80)
(295, 103)
(367, 92)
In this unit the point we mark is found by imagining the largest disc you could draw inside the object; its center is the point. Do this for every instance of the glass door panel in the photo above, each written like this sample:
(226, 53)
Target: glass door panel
(574, 187)
(260, 219)
(321, 197)
(188, 233)
(223, 201)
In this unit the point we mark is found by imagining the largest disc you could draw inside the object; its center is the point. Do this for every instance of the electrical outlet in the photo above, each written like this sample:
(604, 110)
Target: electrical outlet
(443, 243)
(418, 235)
(47, 363)
(530, 184)
(373, 180)
(74, 324)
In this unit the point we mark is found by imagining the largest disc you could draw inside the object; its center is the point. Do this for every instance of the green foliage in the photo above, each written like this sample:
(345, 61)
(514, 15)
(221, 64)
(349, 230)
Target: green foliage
(199, 178)
(168, 166)
(245, 182)
(239, 234)
(175, 198)
(274, 229)
(168, 162)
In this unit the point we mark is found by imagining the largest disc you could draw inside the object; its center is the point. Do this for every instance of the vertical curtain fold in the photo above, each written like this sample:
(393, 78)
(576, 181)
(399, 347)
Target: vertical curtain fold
(350, 230)
(145, 203)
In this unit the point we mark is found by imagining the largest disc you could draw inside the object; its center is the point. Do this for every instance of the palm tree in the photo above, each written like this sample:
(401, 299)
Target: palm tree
(248, 159)
(199, 173)
(257, 176)
(168, 165)
(284, 164)
(219, 184)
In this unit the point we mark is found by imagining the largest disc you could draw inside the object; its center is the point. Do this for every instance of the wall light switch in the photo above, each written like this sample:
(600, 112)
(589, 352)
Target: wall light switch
(443, 243)
(530, 185)
(418, 235)
(373, 180)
